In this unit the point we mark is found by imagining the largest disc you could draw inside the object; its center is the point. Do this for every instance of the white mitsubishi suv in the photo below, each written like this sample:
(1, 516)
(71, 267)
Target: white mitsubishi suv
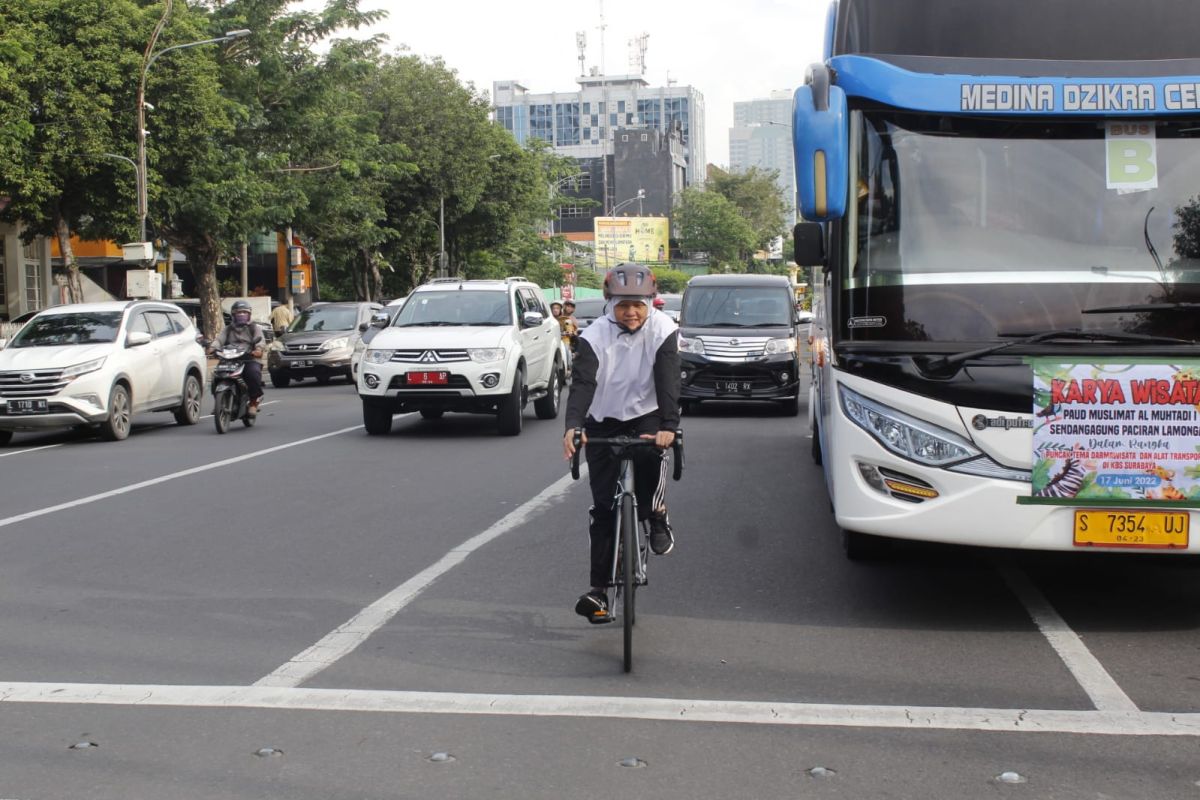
(479, 346)
(98, 364)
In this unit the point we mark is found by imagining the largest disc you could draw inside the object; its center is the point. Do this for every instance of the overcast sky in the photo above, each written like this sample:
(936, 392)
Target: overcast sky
(729, 51)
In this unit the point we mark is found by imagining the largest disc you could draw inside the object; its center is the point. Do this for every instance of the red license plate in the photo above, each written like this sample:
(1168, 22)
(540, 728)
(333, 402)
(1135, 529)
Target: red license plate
(428, 378)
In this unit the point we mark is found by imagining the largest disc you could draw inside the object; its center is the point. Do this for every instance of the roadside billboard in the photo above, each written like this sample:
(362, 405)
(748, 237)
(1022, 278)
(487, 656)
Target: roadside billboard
(641, 239)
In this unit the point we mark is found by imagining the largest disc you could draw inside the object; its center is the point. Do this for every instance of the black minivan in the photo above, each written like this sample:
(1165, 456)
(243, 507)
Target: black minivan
(739, 339)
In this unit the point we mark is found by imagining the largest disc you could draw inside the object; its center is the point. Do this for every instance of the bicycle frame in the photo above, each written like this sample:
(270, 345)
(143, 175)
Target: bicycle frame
(625, 484)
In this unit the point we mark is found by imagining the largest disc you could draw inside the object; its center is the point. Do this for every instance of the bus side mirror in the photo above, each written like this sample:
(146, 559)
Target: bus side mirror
(809, 241)
(820, 137)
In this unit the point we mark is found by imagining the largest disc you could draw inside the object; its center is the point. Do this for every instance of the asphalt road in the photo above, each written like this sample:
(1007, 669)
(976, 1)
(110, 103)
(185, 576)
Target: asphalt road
(299, 610)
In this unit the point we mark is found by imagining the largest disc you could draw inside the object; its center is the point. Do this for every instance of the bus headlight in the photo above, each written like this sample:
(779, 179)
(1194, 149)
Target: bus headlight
(906, 436)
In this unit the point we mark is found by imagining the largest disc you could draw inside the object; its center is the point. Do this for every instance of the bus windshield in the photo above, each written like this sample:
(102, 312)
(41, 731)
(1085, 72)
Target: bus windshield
(969, 229)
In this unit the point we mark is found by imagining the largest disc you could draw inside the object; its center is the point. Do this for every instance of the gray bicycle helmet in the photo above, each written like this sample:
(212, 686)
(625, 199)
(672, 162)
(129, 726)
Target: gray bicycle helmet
(630, 281)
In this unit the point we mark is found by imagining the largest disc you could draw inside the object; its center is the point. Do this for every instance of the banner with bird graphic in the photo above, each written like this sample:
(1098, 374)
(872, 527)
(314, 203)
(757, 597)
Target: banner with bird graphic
(1116, 432)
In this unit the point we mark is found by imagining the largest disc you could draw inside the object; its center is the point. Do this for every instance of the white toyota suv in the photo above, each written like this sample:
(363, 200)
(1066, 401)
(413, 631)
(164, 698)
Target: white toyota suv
(479, 346)
(98, 364)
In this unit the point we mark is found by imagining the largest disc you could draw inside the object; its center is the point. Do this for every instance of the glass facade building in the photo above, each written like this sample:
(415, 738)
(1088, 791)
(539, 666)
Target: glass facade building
(581, 123)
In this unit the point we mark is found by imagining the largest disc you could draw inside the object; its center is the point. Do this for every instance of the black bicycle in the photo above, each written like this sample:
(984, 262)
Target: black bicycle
(631, 540)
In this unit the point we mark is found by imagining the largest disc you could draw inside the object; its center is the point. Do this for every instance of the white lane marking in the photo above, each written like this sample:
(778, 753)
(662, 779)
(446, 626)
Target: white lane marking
(133, 487)
(1013, 720)
(29, 450)
(1104, 692)
(355, 630)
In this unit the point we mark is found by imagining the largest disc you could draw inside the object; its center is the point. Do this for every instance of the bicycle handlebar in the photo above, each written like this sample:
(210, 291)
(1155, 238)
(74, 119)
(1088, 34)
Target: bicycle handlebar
(626, 441)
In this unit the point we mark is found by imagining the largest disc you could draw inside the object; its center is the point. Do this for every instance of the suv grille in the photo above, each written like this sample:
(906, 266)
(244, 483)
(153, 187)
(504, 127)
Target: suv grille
(36, 383)
(301, 349)
(430, 356)
(733, 348)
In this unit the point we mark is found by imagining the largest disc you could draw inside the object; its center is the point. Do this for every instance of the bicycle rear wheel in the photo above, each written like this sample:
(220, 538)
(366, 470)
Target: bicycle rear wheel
(628, 573)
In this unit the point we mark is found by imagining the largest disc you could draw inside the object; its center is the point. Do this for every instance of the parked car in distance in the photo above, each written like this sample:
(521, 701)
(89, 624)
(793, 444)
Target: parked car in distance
(476, 346)
(99, 364)
(739, 339)
(320, 343)
(587, 309)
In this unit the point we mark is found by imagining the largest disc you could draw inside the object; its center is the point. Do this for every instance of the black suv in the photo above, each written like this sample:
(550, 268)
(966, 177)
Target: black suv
(739, 339)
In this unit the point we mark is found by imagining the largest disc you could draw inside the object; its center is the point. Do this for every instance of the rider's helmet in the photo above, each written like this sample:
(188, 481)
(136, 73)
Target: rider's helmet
(241, 313)
(659, 303)
(630, 281)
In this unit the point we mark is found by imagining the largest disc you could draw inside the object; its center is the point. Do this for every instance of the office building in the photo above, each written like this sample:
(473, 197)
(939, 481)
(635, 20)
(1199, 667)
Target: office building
(761, 137)
(625, 135)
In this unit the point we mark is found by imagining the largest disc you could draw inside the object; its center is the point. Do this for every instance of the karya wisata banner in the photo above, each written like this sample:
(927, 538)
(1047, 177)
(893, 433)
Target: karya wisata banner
(1116, 432)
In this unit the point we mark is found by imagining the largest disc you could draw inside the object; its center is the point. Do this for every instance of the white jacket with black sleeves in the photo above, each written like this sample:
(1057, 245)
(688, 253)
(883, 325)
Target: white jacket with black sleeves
(620, 375)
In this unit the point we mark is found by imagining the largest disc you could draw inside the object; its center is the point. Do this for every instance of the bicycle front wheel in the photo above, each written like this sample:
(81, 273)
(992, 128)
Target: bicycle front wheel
(628, 572)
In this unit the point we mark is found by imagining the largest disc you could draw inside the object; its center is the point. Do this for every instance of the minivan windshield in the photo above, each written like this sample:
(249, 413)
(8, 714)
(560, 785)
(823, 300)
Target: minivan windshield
(325, 318)
(56, 330)
(736, 307)
(455, 307)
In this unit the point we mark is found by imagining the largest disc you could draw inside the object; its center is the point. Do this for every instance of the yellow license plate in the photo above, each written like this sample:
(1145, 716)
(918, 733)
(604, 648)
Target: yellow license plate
(1163, 529)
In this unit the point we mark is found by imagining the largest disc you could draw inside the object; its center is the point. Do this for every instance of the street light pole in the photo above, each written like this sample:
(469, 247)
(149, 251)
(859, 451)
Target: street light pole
(151, 57)
(638, 197)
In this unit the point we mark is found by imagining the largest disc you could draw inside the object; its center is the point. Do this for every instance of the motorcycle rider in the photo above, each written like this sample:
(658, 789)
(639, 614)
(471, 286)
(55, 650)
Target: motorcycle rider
(245, 333)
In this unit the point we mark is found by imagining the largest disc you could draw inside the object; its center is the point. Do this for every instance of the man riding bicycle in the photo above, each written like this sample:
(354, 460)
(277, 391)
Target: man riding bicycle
(625, 383)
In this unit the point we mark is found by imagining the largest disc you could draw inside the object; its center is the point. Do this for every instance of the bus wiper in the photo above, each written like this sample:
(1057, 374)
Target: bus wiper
(1064, 335)
(1139, 307)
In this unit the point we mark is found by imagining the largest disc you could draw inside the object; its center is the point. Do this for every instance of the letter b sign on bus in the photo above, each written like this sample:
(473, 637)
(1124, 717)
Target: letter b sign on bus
(1132, 158)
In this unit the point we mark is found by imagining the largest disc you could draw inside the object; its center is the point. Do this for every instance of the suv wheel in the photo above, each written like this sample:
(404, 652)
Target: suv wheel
(188, 412)
(115, 426)
(5, 437)
(512, 408)
(280, 380)
(547, 407)
(377, 419)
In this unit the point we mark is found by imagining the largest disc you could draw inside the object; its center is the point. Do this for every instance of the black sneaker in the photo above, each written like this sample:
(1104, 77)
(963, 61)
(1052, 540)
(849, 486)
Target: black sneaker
(662, 541)
(594, 606)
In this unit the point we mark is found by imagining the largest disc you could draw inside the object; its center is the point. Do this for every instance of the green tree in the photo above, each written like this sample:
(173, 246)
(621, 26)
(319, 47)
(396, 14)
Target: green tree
(758, 198)
(66, 100)
(671, 281)
(227, 160)
(711, 224)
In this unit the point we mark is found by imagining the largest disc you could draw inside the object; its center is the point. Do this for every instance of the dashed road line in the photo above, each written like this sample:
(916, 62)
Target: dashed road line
(1091, 675)
(133, 487)
(29, 450)
(349, 635)
(1011, 720)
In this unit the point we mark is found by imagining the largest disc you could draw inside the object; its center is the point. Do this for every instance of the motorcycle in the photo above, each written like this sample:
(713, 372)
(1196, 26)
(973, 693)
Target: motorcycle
(231, 396)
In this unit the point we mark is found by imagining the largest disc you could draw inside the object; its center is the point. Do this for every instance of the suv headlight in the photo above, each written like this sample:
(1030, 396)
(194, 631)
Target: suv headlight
(484, 355)
(84, 368)
(904, 435)
(776, 347)
(336, 344)
(693, 346)
(378, 356)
